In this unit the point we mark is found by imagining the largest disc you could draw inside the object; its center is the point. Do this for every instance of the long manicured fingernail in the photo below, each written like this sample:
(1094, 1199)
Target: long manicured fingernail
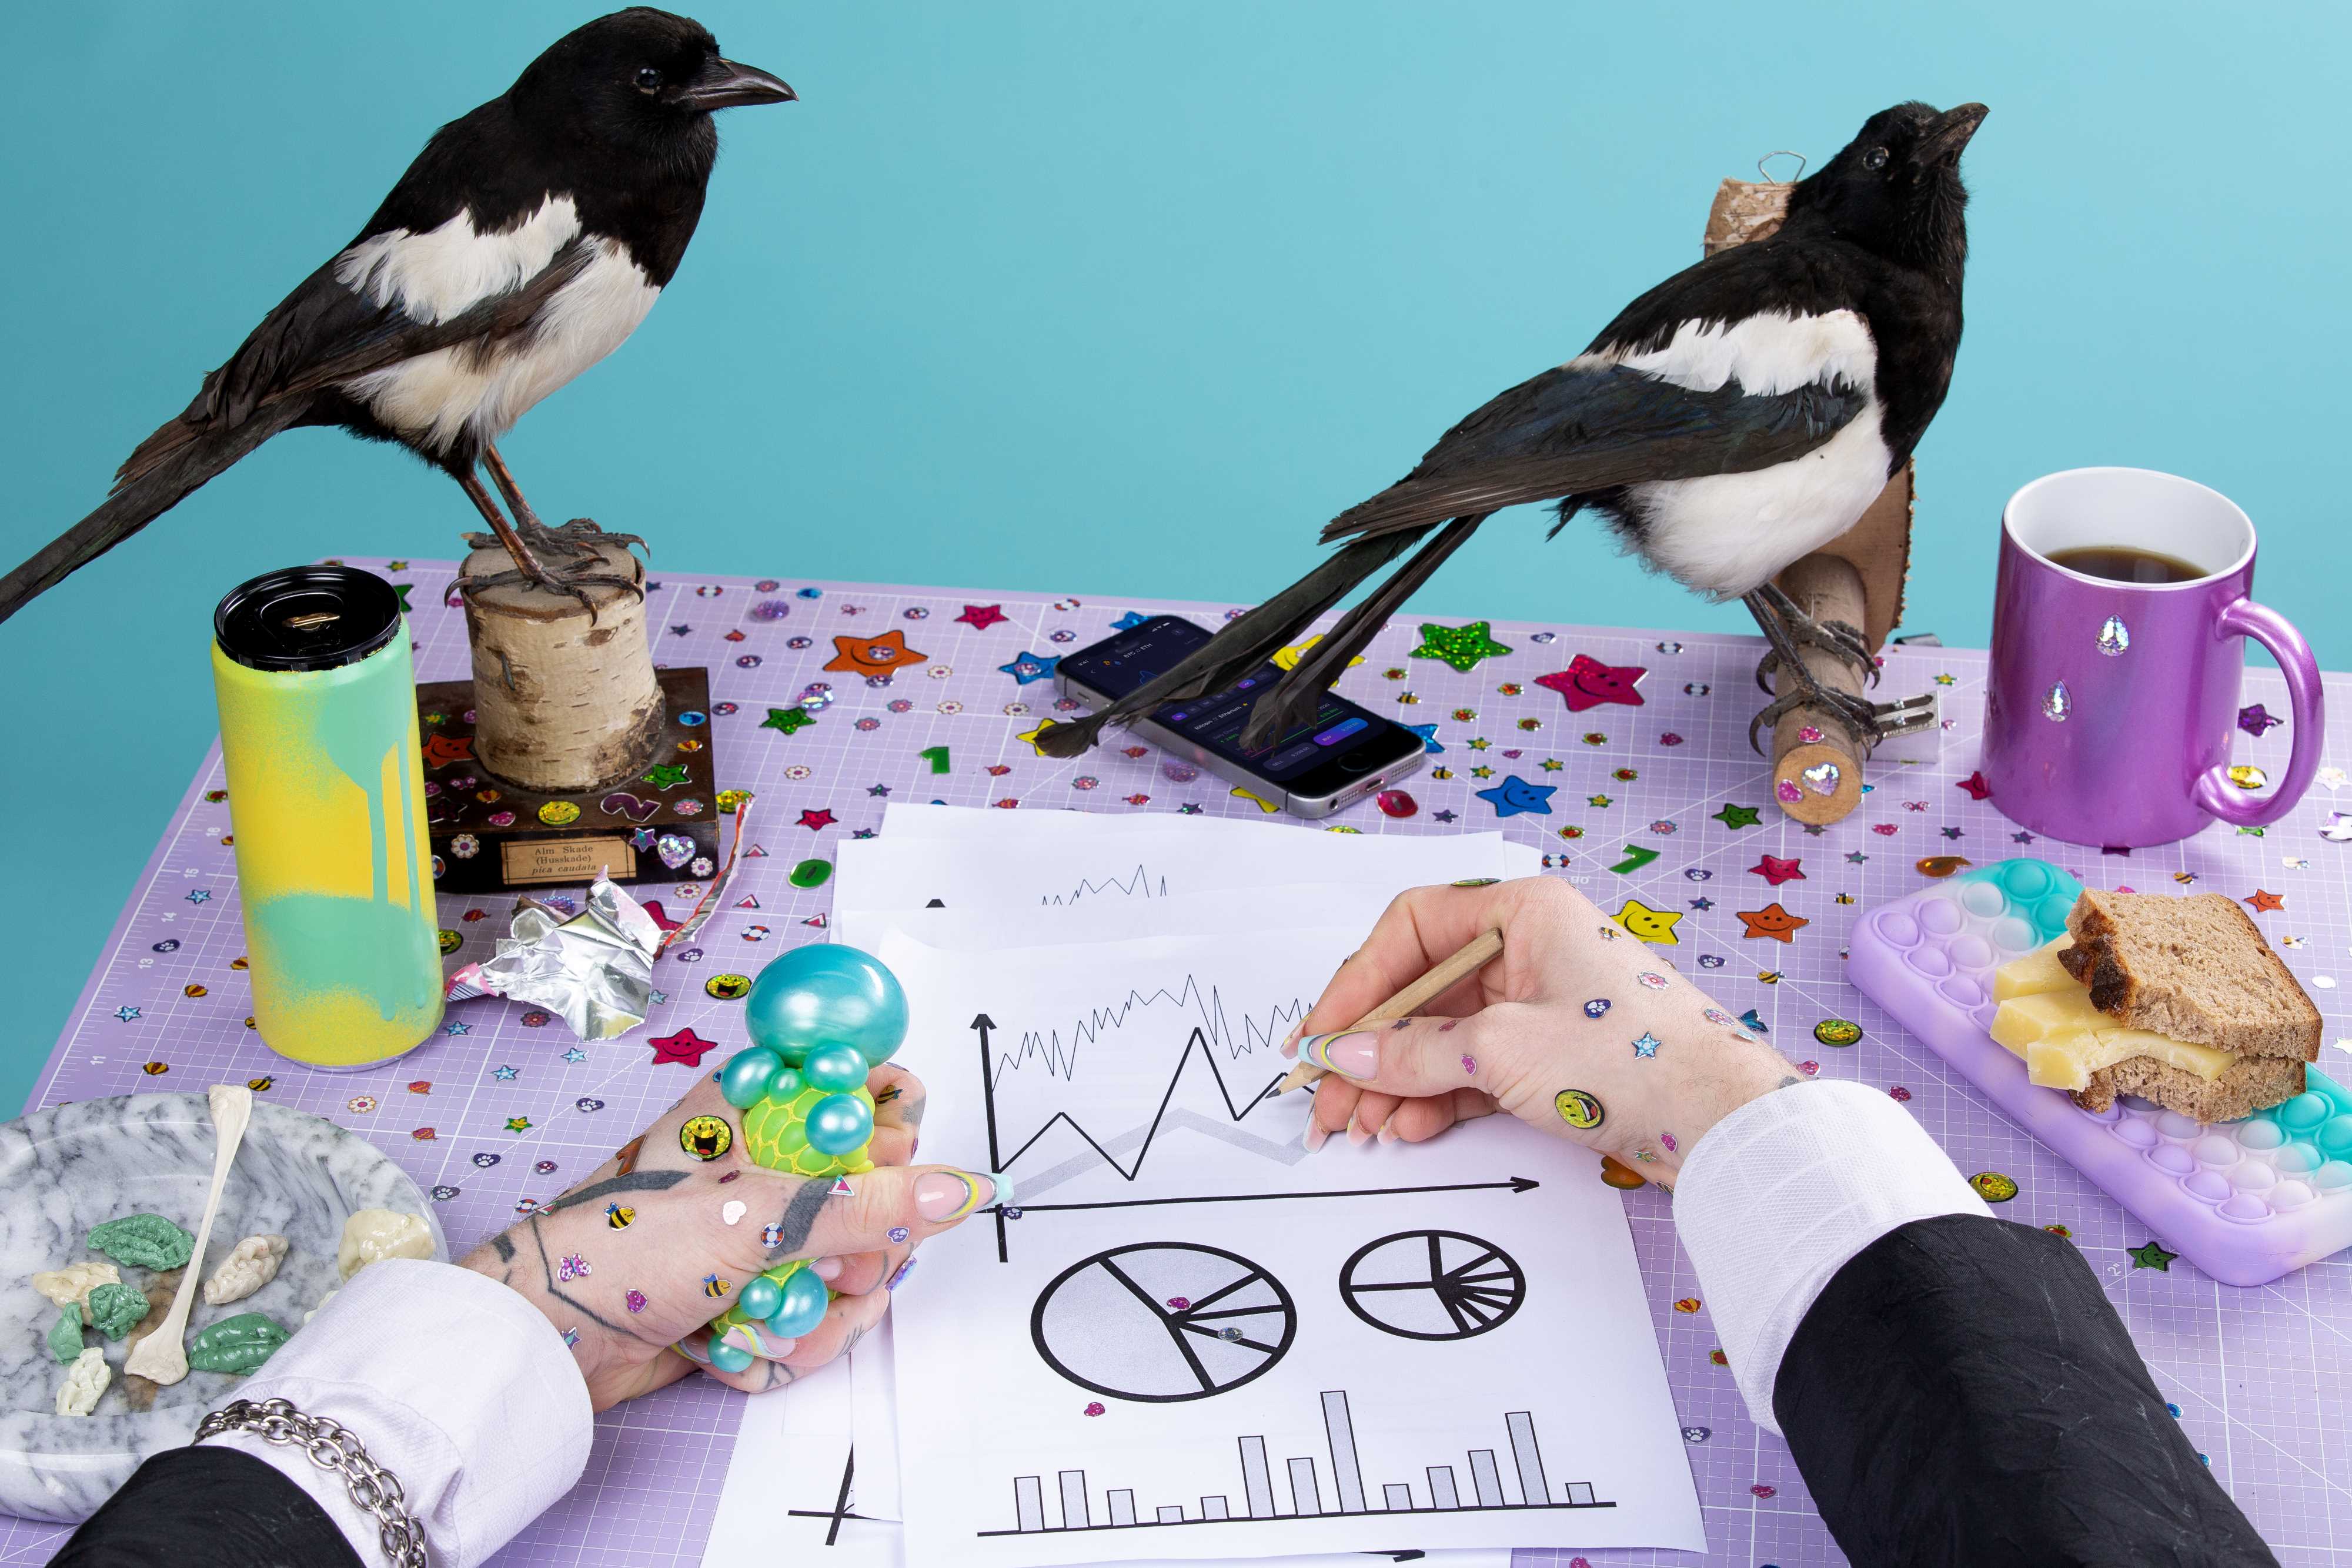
(1357, 1135)
(898, 1279)
(1388, 1132)
(1314, 1136)
(826, 1268)
(1352, 1053)
(942, 1195)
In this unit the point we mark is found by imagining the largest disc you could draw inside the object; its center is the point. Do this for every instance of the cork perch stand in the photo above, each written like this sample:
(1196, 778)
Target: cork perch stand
(1857, 578)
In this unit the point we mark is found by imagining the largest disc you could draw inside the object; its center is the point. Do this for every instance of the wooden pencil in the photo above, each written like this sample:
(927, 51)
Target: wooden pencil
(1473, 955)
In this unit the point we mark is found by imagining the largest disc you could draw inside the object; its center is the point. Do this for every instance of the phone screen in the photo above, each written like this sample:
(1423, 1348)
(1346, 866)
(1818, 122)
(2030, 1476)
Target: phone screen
(1339, 727)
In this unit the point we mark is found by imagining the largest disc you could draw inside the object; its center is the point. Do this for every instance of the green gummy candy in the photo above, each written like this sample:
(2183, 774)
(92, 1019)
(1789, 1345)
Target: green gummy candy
(115, 1309)
(65, 1334)
(239, 1344)
(143, 1241)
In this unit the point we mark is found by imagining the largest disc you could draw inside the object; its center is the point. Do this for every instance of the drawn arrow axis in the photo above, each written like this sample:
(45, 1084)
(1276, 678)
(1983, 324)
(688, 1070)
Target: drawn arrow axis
(1516, 1183)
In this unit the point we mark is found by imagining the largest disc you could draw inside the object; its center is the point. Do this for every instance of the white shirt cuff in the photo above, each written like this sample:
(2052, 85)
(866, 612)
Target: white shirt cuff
(1779, 1194)
(454, 1383)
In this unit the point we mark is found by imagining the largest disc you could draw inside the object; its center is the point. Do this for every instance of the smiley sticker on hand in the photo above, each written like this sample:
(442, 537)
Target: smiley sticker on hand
(705, 1137)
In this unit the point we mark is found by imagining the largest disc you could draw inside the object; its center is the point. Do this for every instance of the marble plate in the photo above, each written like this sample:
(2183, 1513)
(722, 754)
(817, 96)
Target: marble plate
(65, 1169)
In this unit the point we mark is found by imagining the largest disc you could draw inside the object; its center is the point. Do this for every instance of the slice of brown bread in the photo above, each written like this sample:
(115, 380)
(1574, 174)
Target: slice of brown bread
(2254, 1083)
(2192, 968)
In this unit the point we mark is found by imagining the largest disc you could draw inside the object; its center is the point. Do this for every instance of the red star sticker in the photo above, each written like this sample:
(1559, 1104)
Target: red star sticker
(818, 820)
(1976, 786)
(981, 617)
(876, 655)
(2264, 903)
(686, 1048)
(1777, 872)
(1770, 921)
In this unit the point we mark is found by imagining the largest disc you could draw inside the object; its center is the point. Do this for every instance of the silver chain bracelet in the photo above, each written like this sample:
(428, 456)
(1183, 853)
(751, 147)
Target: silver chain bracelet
(332, 1447)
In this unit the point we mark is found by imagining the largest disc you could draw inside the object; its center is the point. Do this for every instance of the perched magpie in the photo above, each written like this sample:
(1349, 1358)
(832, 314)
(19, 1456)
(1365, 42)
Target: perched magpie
(1739, 415)
(524, 244)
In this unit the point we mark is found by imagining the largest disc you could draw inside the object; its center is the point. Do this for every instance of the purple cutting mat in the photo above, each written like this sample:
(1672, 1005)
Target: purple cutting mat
(2262, 1376)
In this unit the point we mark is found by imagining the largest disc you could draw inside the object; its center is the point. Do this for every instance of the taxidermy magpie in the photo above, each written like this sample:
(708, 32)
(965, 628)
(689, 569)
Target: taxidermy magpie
(525, 243)
(1739, 415)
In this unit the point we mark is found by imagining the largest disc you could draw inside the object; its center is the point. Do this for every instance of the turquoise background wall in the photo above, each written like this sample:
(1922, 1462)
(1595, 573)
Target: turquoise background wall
(1113, 299)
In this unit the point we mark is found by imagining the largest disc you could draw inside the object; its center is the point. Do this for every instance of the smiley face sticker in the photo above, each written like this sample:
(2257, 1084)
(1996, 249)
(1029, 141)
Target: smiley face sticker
(1577, 1109)
(705, 1137)
(727, 988)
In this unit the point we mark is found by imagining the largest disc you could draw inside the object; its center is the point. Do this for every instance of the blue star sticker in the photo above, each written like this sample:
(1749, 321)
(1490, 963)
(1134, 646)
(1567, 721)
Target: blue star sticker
(126, 1014)
(877, 790)
(1702, 904)
(1442, 816)
(504, 1074)
(1129, 621)
(1428, 733)
(575, 1055)
(1188, 810)
(1515, 795)
(1855, 857)
(1031, 666)
(200, 895)
(658, 998)
(458, 1025)
(1648, 1045)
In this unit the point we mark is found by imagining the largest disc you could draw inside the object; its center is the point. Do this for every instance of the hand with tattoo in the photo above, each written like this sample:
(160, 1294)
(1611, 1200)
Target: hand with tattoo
(659, 1238)
(1577, 1028)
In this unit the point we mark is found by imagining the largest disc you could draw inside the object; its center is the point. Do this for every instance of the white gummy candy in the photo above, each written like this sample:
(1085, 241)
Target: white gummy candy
(72, 1284)
(86, 1379)
(251, 1265)
(374, 1234)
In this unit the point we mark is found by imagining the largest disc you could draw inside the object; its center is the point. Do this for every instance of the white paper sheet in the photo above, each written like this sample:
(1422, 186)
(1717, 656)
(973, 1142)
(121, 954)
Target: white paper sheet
(1045, 1402)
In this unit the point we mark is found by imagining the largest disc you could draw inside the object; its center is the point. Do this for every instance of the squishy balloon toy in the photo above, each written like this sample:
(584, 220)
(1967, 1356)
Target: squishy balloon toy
(821, 1018)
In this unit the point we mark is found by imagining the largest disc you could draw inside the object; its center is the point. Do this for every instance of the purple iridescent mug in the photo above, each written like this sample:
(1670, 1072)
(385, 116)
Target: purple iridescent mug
(2109, 704)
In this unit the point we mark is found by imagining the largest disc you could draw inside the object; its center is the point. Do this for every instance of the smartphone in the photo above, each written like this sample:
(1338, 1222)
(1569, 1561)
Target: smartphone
(1342, 755)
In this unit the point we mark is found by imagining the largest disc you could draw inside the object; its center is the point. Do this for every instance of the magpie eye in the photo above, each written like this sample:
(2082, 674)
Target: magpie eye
(1874, 159)
(650, 79)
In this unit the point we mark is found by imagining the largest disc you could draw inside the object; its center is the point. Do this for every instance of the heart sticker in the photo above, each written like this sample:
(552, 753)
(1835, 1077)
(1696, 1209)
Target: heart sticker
(675, 849)
(621, 803)
(1821, 778)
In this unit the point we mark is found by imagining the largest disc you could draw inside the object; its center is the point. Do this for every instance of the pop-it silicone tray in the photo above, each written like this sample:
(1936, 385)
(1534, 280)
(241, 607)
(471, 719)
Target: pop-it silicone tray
(2246, 1201)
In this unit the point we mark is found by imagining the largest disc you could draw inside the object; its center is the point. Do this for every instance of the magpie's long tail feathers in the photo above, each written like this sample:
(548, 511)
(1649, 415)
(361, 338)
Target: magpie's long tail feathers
(1294, 701)
(1241, 645)
(168, 466)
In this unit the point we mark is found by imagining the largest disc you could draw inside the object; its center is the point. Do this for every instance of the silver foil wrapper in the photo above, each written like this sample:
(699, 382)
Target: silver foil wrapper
(593, 970)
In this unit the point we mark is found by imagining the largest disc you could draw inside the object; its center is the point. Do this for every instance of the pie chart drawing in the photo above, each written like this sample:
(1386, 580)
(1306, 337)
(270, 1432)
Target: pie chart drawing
(1164, 1322)
(1433, 1284)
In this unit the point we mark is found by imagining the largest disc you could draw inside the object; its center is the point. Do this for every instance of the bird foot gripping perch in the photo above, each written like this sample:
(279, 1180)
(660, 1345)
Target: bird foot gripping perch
(821, 1019)
(579, 539)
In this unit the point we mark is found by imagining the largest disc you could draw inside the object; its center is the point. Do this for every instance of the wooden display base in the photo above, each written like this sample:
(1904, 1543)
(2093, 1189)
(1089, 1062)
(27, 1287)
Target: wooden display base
(488, 835)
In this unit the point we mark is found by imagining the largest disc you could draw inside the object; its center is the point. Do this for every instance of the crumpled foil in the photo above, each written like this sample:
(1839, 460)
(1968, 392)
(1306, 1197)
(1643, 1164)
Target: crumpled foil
(593, 970)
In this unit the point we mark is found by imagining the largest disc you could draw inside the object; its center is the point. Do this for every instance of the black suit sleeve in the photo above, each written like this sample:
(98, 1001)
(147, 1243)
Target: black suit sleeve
(208, 1506)
(1962, 1393)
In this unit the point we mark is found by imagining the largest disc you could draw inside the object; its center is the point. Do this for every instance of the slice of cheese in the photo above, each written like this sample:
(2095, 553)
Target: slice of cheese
(2064, 1040)
(2037, 972)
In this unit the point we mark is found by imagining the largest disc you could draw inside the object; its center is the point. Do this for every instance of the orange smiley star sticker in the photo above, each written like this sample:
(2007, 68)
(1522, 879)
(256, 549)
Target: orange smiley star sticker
(1771, 921)
(440, 750)
(871, 655)
(2264, 903)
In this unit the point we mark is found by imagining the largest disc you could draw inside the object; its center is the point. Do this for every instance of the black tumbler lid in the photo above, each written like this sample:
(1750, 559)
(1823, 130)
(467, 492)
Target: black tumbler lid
(307, 618)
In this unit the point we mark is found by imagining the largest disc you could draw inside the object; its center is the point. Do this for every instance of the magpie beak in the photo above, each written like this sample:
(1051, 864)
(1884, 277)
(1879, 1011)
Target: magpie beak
(729, 84)
(1949, 133)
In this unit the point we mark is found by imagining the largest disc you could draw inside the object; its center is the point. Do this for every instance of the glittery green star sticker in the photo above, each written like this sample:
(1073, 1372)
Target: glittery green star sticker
(786, 720)
(2152, 1256)
(661, 775)
(1733, 816)
(1460, 646)
(517, 1123)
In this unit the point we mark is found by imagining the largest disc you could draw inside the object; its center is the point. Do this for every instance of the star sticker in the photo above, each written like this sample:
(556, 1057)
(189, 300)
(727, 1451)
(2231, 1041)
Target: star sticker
(1702, 904)
(1189, 810)
(126, 1014)
(787, 720)
(2264, 903)
(679, 631)
(457, 1026)
(871, 655)
(1599, 800)
(1428, 733)
(877, 790)
(1460, 646)
(664, 775)
(575, 1055)
(200, 895)
(1771, 921)
(1027, 666)
(981, 617)
(1587, 683)
(1515, 795)
(817, 819)
(1776, 871)
(2255, 718)
(1442, 816)
(862, 833)
(1952, 832)
(1482, 771)
(1646, 1046)
(686, 1048)
(1946, 680)
(1855, 857)
(1655, 927)
(503, 1073)
(1737, 817)
(1480, 744)
(2021, 838)
(1129, 621)
(441, 750)
(1031, 735)
(2152, 1256)
(517, 1123)
(1976, 786)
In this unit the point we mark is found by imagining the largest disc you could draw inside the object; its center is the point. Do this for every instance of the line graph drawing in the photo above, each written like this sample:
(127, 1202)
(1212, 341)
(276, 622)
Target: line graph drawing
(1206, 1003)
(1433, 1285)
(1139, 883)
(1163, 1323)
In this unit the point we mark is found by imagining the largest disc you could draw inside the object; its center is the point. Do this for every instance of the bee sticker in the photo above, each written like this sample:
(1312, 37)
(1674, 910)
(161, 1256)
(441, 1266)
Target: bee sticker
(705, 1137)
(618, 1216)
(715, 1287)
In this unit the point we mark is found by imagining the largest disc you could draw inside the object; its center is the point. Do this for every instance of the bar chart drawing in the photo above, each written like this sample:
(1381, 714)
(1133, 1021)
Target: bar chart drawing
(1164, 1322)
(1305, 1495)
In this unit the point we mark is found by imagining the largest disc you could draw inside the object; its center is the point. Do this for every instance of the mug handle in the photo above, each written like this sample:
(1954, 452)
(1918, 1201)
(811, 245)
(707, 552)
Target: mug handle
(2305, 699)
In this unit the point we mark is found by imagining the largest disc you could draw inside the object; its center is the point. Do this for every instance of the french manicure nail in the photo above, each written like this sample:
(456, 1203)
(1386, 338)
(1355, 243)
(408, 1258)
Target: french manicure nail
(826, 1268)
(1314, 1136)
(1357, 1135)
(942, 1195)
(1353, 1053)
(1388, 1133)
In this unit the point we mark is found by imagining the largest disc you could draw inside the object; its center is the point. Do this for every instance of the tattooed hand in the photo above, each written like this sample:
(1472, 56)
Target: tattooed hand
(1577, 1029)
(658, 1240)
